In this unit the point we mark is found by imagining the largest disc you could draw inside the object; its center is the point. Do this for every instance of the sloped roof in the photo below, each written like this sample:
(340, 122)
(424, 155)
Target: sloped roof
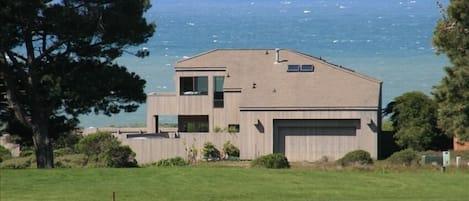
(328, 86)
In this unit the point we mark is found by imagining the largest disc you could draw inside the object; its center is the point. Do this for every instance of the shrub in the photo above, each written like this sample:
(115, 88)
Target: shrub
(275, 160)
(18, 163)
(102, 149)
(70, 161)
(357, 157)
(26, 152)
(171, 162)
(63, 151)
(120, 156)
(5, 154)
(405, 157)
(210, 152)
(230, 149)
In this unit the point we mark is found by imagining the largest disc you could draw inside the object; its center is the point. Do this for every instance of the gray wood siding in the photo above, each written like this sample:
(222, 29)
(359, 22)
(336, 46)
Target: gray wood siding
(160, 104)
(255, 143)
(152, 150)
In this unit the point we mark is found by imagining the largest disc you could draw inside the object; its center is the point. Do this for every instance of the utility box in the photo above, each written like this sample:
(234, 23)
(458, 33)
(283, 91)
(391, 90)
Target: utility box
(446, 159)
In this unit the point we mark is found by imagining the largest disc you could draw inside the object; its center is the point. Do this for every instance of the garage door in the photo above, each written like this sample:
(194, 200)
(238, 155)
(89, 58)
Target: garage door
(311, 142)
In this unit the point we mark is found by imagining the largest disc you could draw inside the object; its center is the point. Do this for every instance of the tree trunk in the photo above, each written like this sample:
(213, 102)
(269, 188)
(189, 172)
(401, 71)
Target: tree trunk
(42, 145)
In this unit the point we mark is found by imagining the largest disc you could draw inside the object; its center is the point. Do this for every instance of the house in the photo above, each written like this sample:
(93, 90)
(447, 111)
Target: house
(273, 101)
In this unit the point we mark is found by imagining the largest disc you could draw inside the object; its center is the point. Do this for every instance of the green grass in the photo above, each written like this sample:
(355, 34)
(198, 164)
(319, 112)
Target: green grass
(231, 183)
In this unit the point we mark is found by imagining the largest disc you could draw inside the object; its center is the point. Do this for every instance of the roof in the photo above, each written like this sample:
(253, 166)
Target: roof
(328, 86)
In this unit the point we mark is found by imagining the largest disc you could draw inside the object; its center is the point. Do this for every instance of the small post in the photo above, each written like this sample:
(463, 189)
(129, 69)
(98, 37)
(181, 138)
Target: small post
(458, 161)
(113, 196)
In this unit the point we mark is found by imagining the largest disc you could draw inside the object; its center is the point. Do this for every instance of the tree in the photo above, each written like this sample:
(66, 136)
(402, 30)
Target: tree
(413, 115)
(57, 62)
(451, 37)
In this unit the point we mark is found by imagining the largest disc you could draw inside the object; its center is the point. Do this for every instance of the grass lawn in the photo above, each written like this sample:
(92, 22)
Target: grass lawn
(231, 183)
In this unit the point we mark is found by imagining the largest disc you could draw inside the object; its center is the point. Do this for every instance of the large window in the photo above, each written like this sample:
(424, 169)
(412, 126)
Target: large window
(218, 91)
(193, 86)
(193, 123)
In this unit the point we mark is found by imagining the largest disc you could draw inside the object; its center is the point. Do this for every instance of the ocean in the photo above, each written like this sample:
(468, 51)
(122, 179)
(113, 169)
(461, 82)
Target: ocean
(389, 40)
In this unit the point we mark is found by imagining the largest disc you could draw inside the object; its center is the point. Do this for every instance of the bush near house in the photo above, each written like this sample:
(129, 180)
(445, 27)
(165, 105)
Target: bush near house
(231, 150)
(405, 157)
(102, 149)
(171, 162)
(210, 152)
(275, 160)
(357, 157)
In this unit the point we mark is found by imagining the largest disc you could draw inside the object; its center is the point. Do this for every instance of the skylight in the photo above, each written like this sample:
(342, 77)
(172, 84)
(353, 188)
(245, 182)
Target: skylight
(293, 68)
(300, 68)
(307, 68)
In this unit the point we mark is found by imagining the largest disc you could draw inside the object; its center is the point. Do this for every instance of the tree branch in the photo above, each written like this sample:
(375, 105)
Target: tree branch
(11, 90)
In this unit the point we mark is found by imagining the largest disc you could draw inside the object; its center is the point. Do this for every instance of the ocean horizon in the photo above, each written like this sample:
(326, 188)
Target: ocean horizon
(389, 40)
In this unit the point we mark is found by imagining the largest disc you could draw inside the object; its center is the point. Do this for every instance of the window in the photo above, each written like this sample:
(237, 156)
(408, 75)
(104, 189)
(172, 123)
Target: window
(293, 68)
(307, 68)
(193, 85)
(218, 99)
(193, 123)
(233, 128)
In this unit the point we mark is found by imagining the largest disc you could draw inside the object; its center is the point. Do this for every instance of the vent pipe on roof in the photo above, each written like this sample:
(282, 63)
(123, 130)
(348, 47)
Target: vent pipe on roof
(277, 55)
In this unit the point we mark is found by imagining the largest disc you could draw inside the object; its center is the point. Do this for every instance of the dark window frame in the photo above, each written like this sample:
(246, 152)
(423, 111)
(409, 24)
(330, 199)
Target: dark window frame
(193, 82)
(218, 96)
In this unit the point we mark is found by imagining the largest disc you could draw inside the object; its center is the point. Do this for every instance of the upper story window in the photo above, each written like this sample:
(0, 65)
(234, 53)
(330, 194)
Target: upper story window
(218, 99)
(194, 85)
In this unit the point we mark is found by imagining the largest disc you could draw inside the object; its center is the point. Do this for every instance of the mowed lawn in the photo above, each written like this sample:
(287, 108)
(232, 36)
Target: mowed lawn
(212, 183)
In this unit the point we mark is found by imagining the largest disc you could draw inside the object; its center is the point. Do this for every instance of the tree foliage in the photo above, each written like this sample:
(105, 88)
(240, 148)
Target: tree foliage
(451, 37)
(57, 62)
(414, 119)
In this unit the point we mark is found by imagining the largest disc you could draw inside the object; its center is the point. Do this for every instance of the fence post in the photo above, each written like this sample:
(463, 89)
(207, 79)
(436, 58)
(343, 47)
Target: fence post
(113, 196)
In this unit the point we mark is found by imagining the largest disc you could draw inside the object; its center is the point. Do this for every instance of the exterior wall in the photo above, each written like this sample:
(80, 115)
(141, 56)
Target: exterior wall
(160, 104)
(229, 114)
(151, 150)
(255, 143)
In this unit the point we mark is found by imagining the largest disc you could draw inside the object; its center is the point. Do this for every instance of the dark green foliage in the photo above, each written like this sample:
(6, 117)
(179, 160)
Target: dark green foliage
(405, 157)
(57, 61)
(102, 149)
(171, 162)
(275, 160)
(451, 37)
(63, 151)
(210, 151)
(357, 157)
(414, 118)
(230, 149)
(121, 156)
(67, 140)
(5, 154)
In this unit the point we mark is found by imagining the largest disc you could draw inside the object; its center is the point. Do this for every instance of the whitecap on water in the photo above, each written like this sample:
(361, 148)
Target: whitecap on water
(190, 23)
(306, 11)
(342, 7)
(185, 57)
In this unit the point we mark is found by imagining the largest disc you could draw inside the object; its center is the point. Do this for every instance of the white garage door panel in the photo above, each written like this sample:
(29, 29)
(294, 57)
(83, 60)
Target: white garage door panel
(312, 144)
